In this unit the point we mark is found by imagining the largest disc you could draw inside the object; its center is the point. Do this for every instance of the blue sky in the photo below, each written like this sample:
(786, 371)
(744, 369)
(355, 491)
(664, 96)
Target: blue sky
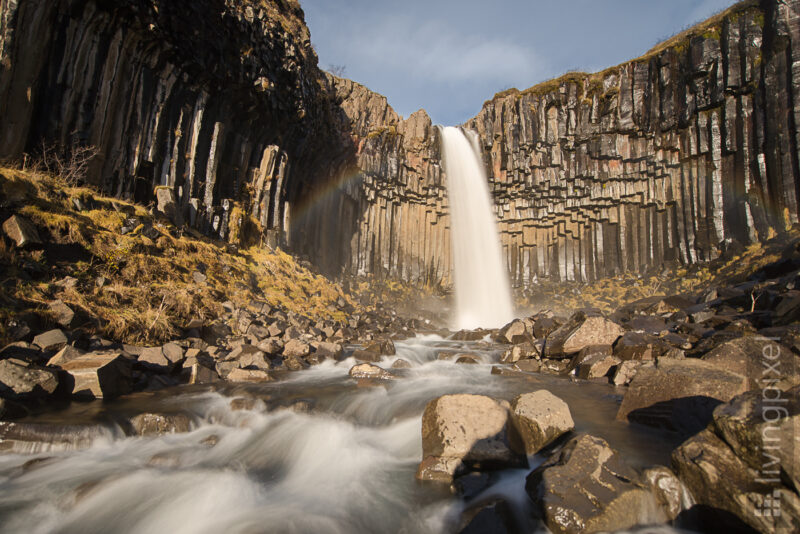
(448, 56)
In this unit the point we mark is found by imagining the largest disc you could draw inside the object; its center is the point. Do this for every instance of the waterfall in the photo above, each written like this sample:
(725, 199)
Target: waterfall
(482, 289)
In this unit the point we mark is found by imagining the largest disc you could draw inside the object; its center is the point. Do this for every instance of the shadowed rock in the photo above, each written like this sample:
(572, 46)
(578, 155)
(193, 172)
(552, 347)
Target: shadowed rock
(539, 419)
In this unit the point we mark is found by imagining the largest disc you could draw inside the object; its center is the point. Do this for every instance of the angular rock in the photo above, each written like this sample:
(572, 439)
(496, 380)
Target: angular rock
(544, 326)
(668, 490)
(539, 419)
(196, 372)
(64, 315)
(51, 340)
(625, 372)
(528, 366)
(325, 349)
(98, 375)
(64, 355)
(582, 330)
(596, 366)
(294, 348)
(21, 231)
(21, 380)
(587, 489)
(366, 356)
(467, 358)
(679, 395)
(521, 351)
(517, 331)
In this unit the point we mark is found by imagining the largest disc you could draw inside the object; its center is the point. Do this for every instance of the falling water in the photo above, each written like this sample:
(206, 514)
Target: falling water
(483, 293)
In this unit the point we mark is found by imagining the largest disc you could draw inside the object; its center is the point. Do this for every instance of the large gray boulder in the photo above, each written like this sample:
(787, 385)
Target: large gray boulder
(539, 419)
(748, 356)
(588, 488)
(465, 431)
(679, 395)
(22, 380)
(584, 329)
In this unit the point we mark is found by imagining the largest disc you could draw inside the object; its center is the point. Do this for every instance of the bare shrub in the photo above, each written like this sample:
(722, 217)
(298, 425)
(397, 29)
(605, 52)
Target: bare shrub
(69, 164)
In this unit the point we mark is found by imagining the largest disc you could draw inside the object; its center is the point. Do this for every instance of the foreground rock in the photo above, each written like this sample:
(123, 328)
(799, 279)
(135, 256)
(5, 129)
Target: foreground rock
(539, 419)
(743, 469)
(679, 395)
(747, 356)
(461, 432)
(584, 329)
(40, 437)
(588, 488)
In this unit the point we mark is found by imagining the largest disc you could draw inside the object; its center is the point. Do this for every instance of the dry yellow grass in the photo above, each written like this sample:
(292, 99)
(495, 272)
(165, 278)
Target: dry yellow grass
(148, 292)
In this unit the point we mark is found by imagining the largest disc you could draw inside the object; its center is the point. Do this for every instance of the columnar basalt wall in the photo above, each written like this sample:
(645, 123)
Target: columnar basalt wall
(672, 156)
(221, 101)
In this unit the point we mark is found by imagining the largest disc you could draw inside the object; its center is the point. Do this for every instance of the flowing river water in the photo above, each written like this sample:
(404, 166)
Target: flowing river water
(317, 452)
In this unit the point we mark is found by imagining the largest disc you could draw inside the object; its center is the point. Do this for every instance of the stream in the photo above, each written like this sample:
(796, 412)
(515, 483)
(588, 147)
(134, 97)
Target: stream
(316, 452)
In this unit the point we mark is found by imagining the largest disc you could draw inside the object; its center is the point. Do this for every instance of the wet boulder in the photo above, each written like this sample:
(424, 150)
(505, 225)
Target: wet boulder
(588, 488)
(22, 380)
(155, 424)
(467, 358)
(464, 431)
(366, 370)
(30, 438)
(400, 363)
(539, 419)
(668, 490)
(98, 375)
(495, 516)
(366, 355)
(679, 395)
(584, 329)
(325, 350)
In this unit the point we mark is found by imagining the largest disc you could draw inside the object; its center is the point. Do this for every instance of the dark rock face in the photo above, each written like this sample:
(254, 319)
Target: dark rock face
(662, 158)
(220, 99)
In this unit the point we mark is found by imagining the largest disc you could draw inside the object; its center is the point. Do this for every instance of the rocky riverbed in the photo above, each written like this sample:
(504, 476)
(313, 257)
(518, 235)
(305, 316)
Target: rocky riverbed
(678, 411)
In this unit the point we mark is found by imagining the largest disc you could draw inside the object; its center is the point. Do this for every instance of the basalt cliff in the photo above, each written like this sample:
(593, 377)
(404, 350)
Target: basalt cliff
(672, 157)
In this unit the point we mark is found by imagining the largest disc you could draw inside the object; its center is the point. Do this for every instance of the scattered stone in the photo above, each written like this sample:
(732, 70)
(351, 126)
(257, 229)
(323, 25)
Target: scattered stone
(647, 324)
(469, 335)
(597, 366)
(366, 370)
(539, 418)
(467, 358)
(625, 372)
(21, 380)
(515, 332)
(156, 424)
(544, 325)
(679, 395)
(21, 231)
(584, 328)
(64, 315)
(587, 489)
(294, 348)
(521, 351)
(99, 375)
(51, 340)
(199, 373)
(199, 278)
